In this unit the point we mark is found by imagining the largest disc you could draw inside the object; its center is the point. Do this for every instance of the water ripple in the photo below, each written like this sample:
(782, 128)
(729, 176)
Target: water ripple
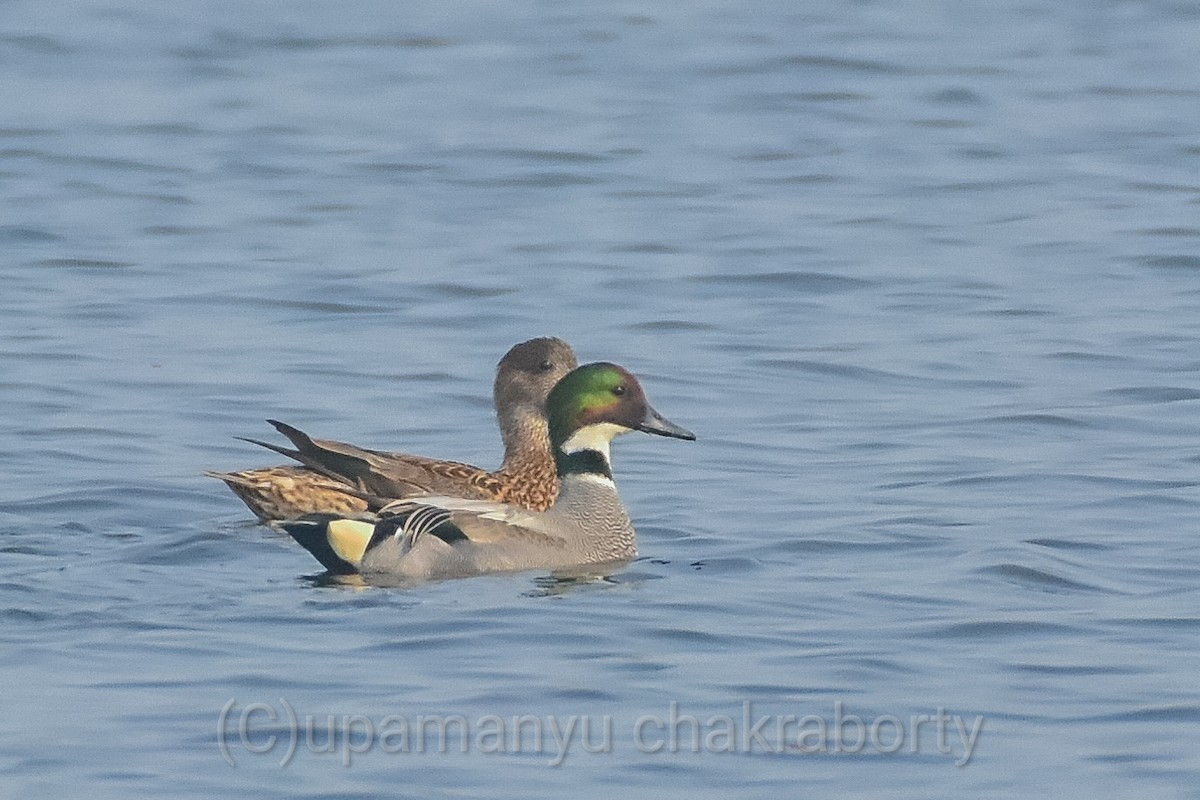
(1000, 629)
(1038, 579)
(1179, 262)
(1166, 713)
(807, 282)
(805, 62)
(1155, 394)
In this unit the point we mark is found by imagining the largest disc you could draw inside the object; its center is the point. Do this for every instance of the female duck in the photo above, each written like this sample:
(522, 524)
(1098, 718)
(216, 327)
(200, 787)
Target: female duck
(527, 477)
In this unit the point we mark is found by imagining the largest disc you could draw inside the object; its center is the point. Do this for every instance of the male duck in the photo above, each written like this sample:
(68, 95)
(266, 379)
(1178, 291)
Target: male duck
(526, 478)
(446, 537)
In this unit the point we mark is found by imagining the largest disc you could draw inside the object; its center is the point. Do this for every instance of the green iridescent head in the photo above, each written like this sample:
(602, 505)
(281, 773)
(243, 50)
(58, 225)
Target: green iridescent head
(596, 402)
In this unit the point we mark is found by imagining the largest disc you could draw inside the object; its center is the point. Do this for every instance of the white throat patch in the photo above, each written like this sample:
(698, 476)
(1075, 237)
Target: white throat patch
(596, 437)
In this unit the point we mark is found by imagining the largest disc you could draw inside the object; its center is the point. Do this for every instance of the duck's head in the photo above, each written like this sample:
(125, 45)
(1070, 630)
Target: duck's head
(524, 379)
(593, 404)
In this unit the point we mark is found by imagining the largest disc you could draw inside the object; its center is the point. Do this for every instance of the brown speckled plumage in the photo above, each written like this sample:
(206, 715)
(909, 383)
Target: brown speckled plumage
(527, 477)
(288, 492)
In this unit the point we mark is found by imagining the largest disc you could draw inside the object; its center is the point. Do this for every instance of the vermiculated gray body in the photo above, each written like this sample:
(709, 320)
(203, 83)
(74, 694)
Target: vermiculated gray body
(588, 525)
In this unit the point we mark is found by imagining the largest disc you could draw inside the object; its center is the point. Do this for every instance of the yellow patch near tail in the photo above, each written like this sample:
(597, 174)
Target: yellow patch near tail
(349, 538)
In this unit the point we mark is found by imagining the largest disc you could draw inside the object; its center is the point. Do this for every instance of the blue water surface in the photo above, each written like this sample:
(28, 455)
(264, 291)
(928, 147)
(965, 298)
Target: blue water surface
(923, 276)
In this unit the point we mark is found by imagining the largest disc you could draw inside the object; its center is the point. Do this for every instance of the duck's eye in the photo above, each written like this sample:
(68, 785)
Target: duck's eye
(546, 366)
(619, 389)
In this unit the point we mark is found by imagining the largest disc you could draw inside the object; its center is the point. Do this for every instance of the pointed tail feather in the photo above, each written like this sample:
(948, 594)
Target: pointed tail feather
(351, 464)
(336, 466)
(283, 451)
(310, 450)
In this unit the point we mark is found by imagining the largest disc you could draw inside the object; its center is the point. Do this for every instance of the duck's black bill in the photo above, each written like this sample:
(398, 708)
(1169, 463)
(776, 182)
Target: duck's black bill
(659, 425)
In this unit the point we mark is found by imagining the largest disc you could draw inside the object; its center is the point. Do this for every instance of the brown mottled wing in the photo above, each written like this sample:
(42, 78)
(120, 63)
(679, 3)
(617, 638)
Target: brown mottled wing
(392, 475)
(433, 476)
(278, 493)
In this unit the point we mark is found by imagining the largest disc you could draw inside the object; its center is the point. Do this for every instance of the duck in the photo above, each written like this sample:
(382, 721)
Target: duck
(437, 537)
(339, 478)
